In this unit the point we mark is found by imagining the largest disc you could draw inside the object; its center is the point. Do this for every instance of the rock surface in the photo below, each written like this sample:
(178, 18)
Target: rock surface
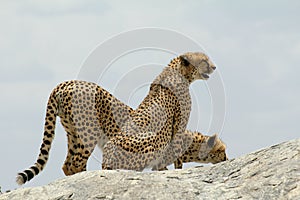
(271, 173)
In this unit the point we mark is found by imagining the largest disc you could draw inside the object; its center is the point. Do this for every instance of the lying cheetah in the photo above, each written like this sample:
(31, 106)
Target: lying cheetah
(204, 149)
(155, 135)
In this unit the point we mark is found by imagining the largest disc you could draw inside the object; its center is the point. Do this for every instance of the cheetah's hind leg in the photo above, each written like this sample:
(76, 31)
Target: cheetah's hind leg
(72, 163)
(79, 151)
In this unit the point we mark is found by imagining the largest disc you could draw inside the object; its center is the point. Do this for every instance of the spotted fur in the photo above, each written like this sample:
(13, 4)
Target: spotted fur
(204, 149)
(155, 135)
(89, 114)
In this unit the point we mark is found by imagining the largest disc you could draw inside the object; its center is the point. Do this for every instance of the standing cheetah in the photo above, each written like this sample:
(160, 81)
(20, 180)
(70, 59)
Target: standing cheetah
(157, 126)
(89, 114)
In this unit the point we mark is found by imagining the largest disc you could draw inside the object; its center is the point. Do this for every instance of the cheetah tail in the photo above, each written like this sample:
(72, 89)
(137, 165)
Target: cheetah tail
(50, 119)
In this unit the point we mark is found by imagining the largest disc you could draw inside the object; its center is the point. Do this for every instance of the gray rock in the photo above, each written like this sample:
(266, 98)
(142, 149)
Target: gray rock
(271, 173)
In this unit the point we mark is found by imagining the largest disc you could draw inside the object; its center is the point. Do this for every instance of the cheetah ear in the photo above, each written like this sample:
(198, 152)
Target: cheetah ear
(212, 141)
(184, 60)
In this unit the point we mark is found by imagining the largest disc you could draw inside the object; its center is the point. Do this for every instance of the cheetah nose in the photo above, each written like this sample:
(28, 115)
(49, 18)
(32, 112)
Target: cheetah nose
(213, 67)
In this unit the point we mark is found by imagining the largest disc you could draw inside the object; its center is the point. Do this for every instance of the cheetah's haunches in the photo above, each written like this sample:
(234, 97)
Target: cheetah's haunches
(89, 114)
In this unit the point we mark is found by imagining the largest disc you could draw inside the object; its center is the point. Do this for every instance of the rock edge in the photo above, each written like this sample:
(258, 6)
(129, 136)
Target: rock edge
(270, 173)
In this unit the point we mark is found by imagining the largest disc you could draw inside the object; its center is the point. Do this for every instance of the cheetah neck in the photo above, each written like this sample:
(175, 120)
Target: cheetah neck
(172, 78)
(178, 85)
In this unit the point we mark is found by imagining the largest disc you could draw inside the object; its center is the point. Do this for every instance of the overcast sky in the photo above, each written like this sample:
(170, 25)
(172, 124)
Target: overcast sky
(255, 44)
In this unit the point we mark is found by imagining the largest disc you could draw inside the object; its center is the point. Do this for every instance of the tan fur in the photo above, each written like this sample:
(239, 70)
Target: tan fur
(202, 152)
(90, 116)
(155, 135)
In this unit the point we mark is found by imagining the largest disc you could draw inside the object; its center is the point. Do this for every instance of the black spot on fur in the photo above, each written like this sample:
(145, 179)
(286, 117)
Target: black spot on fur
(41, 162)
(71, 152)
(47, 142)
(44, 152)
(30, 174)
(35, 169)
(49, 135)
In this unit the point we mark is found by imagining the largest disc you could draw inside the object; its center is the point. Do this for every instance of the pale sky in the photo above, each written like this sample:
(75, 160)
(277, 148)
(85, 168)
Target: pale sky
(255, 44)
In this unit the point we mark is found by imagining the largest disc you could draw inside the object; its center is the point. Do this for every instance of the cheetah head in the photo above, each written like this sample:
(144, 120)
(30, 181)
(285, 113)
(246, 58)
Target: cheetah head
(196, 66)
(213, 151)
